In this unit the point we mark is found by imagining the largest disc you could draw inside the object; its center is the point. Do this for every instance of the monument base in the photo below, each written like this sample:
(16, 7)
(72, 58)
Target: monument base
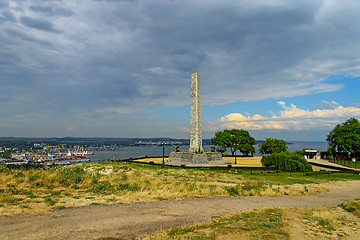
(190, 157)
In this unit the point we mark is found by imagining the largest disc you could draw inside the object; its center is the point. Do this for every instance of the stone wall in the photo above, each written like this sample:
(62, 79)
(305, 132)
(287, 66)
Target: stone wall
(195, 158)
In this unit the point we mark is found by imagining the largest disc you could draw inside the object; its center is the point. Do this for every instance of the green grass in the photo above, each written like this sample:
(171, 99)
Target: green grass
(348, 163)
(352, 206)
(50, 201)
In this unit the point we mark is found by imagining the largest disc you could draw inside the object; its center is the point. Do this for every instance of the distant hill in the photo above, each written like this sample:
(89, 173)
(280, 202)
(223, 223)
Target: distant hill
(83, 140)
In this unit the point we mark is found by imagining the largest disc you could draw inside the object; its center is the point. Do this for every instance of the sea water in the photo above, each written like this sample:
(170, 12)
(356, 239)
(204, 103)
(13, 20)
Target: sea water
(157, 151)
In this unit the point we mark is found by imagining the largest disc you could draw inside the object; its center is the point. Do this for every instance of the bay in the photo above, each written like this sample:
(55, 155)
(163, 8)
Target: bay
(157, 151)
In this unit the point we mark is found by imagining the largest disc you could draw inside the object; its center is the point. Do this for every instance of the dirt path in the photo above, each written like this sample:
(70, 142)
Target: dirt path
(135, 219)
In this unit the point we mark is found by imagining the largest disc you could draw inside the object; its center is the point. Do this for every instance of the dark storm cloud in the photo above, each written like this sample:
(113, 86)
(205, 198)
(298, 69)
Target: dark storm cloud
(113, 0)
(7, 58)
(40, 24)
(7, 16)
(4, 5)
(121, 57)
(21, 36)
(52, 11)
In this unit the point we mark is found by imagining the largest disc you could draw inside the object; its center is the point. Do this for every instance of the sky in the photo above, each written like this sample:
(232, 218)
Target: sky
(122, 68)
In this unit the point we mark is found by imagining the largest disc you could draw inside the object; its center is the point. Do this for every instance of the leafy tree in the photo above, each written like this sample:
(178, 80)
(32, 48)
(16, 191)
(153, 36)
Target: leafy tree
(345, 137)
(272, 145)
(220, 140)
(234, 139)
(242, 140)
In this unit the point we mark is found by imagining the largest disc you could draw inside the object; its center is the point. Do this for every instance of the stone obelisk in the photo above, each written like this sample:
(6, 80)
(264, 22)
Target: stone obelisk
(195, 115)
(195, 155)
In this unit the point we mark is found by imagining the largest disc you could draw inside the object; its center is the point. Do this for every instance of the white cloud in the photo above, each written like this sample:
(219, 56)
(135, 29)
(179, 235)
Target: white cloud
(291, 118)
(326, 105)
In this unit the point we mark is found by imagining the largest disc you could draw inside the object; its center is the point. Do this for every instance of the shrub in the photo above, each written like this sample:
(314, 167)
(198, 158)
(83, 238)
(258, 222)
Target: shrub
(256, 186)
(177, 149)
(128, 187)
(34, 176)
(70, 175)
(3, 168)
(352, 206)
(286, 161)
(232, 190)
(102, 187)
(199, 150)
(49, 201)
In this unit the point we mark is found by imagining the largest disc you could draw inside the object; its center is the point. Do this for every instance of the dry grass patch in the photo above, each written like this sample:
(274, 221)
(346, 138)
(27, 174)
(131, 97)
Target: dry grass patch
(34, 190)
(259, 224)
(150, 159)
(244, 161)
(274, 223)
(330, 223)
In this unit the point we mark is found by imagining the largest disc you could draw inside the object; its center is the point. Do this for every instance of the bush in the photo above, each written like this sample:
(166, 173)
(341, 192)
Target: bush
(128, 187)
(232, 190)
(70, 175)
(102, 187)
(286, 161)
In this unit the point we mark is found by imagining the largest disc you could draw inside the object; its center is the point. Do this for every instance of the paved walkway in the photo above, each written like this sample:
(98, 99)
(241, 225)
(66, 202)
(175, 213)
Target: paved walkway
(329, 165)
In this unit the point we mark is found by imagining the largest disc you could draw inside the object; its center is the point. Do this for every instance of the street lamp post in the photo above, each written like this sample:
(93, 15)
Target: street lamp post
(235, 156)
(163, 162)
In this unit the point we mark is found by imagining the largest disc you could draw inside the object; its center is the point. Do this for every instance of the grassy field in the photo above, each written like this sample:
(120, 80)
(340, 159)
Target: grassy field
(338, 222)
(31, 189)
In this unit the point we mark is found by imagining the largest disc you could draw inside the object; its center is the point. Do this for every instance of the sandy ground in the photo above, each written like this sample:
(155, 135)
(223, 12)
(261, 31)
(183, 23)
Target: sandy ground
(126, 220)
(240, 162)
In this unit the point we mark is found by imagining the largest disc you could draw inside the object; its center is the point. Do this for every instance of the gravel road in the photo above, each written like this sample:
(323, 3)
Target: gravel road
(126, 220)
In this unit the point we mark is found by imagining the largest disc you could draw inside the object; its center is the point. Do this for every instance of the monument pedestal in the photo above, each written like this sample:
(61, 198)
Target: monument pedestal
(202, 158)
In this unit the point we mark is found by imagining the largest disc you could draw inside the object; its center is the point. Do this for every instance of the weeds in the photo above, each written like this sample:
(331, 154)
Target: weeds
(101, 187)
(232, 190)
(256, 186)
(71, 175)
(12, 200)
(351, 206)
(138, 182)
(270, 223)
(55, 193)
(128, 187)
(267, 223)
(49, 201)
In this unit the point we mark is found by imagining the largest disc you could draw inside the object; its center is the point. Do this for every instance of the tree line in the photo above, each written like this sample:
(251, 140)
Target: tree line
(343, 139)
(241, 140)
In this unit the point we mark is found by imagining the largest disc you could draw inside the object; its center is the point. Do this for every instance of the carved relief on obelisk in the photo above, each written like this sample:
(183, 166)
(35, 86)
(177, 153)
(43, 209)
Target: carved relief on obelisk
(195, 115)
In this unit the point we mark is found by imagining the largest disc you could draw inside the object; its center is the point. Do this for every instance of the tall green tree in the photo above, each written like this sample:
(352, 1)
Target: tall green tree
(272, 145)
(242, 140)
(221, 140)
(345, 137)
(234, 140)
